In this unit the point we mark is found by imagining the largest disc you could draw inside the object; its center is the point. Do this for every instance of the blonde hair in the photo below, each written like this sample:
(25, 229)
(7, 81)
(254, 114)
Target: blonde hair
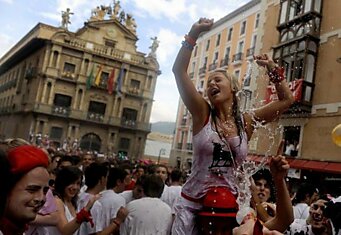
(10, 143)
(235, 85)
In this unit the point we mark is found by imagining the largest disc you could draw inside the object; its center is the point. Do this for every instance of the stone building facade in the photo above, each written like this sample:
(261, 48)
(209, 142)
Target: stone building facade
(91, 86)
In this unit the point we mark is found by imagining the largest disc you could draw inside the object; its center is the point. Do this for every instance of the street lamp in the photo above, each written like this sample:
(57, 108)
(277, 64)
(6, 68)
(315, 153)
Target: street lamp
(162, 151)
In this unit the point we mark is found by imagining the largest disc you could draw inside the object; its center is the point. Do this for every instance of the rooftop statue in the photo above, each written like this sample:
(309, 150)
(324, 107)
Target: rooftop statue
(66, 18)
(154, 47)
(116, 10)
(130, 23)
(99, 13)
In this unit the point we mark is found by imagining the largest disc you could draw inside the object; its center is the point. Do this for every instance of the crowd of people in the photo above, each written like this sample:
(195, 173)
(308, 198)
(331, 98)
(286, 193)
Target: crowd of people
(45, 191)
(50, 193)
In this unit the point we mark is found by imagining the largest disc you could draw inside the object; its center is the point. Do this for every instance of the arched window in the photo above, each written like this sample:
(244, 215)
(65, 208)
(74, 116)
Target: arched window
(90, 141)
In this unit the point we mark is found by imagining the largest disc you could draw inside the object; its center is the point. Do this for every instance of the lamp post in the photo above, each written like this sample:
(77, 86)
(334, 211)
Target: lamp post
(162, 151)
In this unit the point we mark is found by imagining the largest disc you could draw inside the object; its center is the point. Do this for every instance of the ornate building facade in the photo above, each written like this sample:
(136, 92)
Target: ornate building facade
(91, 86)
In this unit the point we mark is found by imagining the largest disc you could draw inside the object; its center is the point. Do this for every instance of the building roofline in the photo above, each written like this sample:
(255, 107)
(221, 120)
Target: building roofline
(235, 13)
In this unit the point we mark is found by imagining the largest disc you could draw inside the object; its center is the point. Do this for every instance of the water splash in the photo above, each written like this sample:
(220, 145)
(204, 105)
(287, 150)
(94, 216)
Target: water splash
(243, 174)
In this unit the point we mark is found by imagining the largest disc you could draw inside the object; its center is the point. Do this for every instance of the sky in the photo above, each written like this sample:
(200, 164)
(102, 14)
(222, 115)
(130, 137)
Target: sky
(169, 20)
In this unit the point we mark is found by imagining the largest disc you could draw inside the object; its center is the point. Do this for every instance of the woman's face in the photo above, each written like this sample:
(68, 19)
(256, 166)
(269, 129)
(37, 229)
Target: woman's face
(218, 88)
(263, 190)
(73, 189)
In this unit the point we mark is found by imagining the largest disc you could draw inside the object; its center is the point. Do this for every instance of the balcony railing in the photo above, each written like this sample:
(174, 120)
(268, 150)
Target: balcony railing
(89, 116)
(212, 66)
(98, 117)
(237, 57)
(129, 123)
(68, 75)
(60, 110)
(224, 62)
(31, 72)
(250, 52)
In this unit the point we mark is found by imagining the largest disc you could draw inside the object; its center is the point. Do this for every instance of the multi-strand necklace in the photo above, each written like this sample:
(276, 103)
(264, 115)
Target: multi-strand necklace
(227, 128)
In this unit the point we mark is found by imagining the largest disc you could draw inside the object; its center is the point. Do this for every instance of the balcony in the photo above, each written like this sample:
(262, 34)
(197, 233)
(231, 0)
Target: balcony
(89, 116)
(189, 146)
(134, 91)
(212, 66)
(97, 117)
(250, 52)
(224, 62)
(237, 58)
(61, 111)
(68, 75)
(31, 72)
(202, 70)
(179, 146)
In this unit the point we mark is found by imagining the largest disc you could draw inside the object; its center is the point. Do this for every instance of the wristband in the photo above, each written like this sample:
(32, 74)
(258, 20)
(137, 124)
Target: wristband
(276, 74)
(190, 40)
(116, 222)
(84, 216)
(187, 45)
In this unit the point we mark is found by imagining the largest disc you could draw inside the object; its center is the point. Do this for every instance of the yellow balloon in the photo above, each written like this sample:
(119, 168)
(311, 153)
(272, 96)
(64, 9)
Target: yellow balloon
(336, 135)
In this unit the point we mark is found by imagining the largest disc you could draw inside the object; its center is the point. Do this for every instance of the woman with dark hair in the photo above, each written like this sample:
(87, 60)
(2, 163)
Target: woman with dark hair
(67, 186)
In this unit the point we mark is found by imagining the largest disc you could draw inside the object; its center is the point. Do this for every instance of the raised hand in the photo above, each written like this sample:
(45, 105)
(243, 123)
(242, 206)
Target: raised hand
(278, 165)
(264, 61)
(202, 25)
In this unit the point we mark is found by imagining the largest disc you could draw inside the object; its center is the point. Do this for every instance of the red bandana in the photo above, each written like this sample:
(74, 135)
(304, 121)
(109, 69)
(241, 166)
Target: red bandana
(26, 157)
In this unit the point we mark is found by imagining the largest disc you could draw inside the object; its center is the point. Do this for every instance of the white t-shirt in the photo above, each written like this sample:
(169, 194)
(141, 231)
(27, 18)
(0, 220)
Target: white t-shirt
(128, 195)
(171, 195)
(147, 216)
(110, 204)
(299, 226)
(301, 211)
(95, 211)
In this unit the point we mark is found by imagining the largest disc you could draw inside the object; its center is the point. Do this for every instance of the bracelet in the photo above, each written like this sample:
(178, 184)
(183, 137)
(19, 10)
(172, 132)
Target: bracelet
(187, 45)
(276, 74)
(190, 40)
(84, 216)
(116, 222)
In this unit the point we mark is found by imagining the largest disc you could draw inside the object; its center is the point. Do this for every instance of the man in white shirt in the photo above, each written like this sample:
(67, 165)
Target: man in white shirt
(148, 215)
(96, 176)
(136, 193)
(316, 224)
(111, 200)
(305, 195)
(173, 192)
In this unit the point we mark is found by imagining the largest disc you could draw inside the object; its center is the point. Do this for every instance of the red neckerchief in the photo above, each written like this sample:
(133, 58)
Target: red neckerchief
(8, 228)
(258, 228)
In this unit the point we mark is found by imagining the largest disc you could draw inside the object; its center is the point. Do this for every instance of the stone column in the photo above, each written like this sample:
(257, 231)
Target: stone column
(44, 92)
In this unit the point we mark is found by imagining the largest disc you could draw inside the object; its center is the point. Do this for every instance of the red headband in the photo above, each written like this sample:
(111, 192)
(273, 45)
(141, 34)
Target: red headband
(26, 157)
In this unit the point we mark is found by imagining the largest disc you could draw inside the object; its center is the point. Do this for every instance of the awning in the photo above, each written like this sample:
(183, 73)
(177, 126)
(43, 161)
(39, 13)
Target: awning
(321, 166)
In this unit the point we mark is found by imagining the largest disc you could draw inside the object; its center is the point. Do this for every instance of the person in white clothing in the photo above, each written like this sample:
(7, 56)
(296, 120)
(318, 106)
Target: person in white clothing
(111, 201)
(317, 222)
(173, 192)
(96, 176)
(306, 194)
(136, 193)
(67, 187)
(148, 215)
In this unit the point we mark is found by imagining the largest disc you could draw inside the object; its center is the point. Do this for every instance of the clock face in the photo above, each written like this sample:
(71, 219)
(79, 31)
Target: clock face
(111, 33)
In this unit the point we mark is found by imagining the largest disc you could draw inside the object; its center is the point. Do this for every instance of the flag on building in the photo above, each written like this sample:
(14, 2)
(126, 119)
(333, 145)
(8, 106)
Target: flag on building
(110, 85)
(119, 82)
(98, 75)
(90, 78)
